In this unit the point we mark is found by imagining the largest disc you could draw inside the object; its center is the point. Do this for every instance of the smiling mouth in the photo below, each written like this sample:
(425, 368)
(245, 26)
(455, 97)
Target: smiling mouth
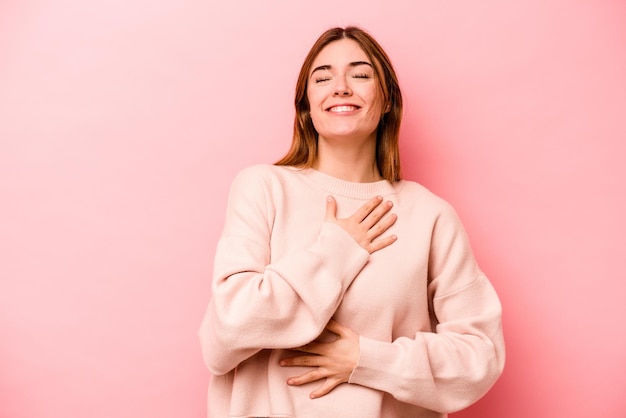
(343, 108)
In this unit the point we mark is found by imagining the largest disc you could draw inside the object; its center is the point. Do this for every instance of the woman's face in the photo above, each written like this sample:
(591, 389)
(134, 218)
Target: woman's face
(343, 93)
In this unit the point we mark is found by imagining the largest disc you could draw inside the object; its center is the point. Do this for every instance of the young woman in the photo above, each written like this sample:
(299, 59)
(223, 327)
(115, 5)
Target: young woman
(339, 289)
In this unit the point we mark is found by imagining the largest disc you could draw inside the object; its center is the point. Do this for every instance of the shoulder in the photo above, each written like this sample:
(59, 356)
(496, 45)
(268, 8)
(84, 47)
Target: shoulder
(263, 188)
(434, 212)
(421, 196)
(265, 181)
(264, 173)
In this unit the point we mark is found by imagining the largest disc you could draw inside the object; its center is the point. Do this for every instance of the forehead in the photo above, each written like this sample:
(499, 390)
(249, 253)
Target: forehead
(340, 53)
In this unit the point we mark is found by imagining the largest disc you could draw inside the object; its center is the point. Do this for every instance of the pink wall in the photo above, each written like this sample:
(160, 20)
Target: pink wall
(122, 123)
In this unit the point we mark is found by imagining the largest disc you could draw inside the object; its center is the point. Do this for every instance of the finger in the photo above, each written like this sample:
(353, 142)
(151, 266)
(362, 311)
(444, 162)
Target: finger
(383, 225)
(362, 212)
(312, 348)
(310, 361)
(381, 243)
(308, 377)
(377, 214)
(336, 328)
(328, 385)
(331, 209)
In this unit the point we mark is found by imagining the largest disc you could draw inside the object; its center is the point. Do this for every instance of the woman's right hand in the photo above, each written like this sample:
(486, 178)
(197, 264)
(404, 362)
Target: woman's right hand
(367, 224)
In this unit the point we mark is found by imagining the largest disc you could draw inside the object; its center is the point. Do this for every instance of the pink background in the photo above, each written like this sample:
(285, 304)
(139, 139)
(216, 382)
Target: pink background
(123, 122)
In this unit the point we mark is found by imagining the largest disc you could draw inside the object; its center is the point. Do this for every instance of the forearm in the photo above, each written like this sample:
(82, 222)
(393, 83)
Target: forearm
(443, 371)
(282, 305)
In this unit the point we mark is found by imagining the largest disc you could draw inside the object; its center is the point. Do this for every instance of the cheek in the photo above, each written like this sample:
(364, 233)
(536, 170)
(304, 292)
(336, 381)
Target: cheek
(376, 106)
(315, 98)
(374, 97)
(316, 107)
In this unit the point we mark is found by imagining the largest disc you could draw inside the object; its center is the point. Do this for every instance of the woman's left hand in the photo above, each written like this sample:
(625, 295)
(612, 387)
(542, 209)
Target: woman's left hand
(333, 361)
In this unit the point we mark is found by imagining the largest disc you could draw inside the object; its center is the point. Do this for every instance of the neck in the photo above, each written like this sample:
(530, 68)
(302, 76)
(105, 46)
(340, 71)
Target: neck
(348, 161)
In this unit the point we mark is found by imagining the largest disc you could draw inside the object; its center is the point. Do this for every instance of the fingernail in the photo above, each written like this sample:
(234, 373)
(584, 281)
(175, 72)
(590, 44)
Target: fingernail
(329, 199)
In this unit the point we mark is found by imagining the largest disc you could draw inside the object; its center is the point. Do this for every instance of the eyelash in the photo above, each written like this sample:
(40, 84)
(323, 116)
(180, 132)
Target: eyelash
(360, 75)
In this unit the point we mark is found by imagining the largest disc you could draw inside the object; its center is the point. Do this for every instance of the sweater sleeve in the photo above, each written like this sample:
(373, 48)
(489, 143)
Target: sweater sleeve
(260, 302)
(451, 368)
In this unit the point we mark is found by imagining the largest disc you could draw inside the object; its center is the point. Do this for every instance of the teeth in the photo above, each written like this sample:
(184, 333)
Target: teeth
(342, 108)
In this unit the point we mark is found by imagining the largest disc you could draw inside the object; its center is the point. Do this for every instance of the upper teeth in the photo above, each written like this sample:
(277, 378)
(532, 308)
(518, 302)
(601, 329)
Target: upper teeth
(342, 108)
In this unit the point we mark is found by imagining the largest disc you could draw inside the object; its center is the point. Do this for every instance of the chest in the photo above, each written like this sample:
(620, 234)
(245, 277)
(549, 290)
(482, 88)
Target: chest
(391, 289)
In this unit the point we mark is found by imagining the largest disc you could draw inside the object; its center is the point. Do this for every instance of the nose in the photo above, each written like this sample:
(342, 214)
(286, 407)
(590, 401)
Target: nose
(342, 88)
(344, 92)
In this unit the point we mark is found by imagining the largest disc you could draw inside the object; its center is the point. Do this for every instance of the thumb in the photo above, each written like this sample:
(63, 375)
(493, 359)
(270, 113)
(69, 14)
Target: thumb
(331, 209)
(336, 328)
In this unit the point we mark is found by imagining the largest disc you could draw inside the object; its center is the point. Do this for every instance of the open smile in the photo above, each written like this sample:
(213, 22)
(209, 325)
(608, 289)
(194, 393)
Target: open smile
(342, 108)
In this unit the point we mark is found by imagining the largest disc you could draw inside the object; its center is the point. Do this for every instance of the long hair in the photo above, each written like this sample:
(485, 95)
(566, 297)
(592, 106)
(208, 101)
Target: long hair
(303, 149)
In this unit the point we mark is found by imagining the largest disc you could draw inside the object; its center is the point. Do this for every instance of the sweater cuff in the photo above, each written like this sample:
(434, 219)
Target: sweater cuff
(341, 252)
(373, 355)
(383, 366)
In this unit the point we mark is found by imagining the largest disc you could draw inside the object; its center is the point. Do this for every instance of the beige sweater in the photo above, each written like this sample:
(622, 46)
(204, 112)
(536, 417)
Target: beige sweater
(429, 320)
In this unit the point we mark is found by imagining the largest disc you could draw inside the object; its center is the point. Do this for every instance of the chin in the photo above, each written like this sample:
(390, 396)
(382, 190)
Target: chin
(348, 134)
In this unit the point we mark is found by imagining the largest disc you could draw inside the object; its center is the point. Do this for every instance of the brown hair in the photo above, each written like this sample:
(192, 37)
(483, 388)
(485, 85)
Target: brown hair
(304, 145)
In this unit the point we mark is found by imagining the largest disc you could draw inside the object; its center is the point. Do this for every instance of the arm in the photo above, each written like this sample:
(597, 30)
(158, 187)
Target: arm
(284, 303)
(457, 364)
(443, 371)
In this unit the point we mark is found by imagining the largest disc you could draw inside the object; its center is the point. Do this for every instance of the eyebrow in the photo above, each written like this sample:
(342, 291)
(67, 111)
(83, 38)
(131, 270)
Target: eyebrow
(352, 64)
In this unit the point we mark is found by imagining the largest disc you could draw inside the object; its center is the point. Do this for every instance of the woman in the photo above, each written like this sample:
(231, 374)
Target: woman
(339, 289)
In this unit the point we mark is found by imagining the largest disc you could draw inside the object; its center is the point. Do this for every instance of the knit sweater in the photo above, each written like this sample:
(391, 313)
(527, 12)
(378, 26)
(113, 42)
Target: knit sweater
(429, 320)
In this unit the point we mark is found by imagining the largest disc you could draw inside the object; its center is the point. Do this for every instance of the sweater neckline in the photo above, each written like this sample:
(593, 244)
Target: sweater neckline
(353, 190)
